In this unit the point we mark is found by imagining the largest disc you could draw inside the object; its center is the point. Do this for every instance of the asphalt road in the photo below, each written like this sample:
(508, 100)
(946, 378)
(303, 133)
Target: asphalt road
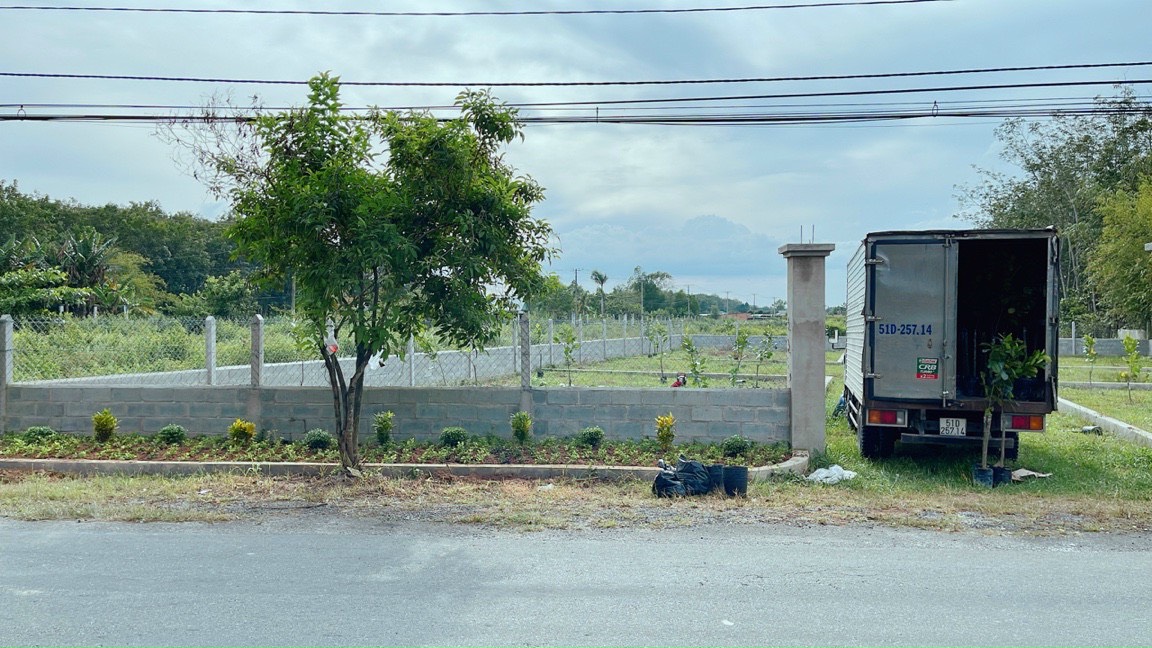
(312, 579)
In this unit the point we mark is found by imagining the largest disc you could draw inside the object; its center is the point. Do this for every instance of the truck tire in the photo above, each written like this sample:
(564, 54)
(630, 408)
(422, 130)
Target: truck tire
(875, 442)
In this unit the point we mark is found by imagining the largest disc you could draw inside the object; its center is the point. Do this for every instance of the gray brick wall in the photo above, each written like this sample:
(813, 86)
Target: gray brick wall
(421, 412)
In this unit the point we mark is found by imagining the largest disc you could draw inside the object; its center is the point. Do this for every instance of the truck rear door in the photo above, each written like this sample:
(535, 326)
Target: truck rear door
(910, 354)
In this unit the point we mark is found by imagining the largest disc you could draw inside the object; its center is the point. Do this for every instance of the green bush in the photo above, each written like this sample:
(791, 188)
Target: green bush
(319, 439)
(590, 437)
(172, 434)
(104, 425)
(382, 425)
(241, 432)
(521, 423)
(735, 446)
(38, 434)
(450, 437)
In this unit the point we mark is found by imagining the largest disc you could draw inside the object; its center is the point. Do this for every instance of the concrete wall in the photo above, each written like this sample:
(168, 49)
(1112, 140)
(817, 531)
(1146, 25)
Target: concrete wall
(1104, 347)
(422, 412)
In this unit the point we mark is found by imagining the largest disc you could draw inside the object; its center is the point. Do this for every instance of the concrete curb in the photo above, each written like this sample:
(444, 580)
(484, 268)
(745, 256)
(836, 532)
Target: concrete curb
(797, 464)
(1109, 424)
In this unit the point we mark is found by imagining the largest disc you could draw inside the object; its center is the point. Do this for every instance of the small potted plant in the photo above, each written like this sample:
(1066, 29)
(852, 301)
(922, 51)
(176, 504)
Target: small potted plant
(1008, 361)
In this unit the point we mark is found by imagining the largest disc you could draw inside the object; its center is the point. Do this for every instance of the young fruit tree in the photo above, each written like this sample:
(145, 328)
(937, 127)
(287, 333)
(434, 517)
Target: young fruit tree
(389, 224)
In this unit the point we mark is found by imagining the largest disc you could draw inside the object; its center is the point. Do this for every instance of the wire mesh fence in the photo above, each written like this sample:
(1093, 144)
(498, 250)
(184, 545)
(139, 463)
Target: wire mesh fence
(574, 351)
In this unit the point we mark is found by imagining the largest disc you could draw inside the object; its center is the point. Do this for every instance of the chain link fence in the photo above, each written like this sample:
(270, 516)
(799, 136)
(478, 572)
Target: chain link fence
(576, 351)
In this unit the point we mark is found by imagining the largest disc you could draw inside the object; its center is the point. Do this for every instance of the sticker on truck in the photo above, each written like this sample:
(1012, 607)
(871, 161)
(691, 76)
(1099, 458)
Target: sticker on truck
(927, 368)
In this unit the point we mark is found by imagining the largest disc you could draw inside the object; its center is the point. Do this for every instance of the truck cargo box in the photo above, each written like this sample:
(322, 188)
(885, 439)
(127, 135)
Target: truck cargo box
(922, 306)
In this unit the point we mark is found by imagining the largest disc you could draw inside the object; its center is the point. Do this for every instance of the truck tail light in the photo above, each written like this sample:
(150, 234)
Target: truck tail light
(1023, 422)
(887, 417)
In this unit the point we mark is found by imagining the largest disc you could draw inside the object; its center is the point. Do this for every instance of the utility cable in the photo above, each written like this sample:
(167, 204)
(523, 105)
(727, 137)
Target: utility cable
(421, 14)
(533, 84)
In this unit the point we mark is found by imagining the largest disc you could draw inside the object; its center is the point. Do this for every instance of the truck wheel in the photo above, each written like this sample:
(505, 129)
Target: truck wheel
(875, 442)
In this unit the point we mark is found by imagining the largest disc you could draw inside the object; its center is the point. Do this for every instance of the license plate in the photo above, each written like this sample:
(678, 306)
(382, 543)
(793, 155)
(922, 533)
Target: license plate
(953, 427)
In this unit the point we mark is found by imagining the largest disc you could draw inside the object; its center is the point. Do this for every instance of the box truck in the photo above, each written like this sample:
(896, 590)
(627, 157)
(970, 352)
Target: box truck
(922, 308)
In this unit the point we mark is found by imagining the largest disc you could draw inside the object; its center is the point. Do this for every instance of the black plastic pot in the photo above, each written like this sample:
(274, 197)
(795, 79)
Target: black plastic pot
(715, 477)
(1001, 475)
(735, 481)
(982, 476)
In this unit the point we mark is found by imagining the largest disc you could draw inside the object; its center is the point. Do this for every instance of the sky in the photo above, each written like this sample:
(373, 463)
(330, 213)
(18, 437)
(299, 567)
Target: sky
(709, 204)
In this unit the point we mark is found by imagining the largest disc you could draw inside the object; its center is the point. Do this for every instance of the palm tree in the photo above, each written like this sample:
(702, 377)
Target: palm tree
(600, 279)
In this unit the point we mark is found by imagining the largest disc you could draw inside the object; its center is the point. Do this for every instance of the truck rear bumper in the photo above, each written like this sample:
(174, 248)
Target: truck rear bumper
(936, 439)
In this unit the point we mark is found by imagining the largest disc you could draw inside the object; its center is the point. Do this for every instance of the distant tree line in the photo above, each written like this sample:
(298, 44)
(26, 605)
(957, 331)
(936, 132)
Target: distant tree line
(57, 254)
(647, 293)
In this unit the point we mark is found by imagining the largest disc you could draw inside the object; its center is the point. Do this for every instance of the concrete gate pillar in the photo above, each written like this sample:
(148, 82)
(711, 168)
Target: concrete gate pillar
(806, 341)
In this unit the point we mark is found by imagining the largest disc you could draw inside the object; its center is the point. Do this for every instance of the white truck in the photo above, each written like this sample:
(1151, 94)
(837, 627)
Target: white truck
(922, 306)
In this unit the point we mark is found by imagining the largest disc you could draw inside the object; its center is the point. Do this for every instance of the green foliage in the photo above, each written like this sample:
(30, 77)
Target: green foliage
(1090, 355)
(1008, 361)
(172, 434)
(521, 423)
(388, 224)
(241, 432)
(1120, 262)
(319, 439)
(1133, 362)
(695, 362)
(736, 446)
(763, 354)
(566, 336)
(38, 434)
(739, 348)
(382, 425)
(453, 436)
(590, 437)
(104, 425)
(35, 290)
(665, 431)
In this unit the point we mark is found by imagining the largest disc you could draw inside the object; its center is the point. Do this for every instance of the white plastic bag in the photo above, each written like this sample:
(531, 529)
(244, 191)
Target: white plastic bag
(833, 475)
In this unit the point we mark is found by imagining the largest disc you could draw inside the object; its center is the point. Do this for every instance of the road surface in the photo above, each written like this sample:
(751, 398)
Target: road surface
(313, 579)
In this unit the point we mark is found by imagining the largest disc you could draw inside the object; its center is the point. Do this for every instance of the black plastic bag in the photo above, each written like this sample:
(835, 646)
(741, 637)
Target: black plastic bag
(689, 478)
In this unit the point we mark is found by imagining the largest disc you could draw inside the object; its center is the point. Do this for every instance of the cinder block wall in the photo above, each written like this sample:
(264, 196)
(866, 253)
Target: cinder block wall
(422, 412)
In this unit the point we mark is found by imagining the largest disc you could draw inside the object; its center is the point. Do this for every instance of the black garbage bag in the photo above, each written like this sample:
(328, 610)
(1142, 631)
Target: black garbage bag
(688, 478)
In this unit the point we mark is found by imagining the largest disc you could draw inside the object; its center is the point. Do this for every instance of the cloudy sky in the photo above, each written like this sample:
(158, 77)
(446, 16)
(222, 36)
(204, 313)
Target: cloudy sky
(708, 203)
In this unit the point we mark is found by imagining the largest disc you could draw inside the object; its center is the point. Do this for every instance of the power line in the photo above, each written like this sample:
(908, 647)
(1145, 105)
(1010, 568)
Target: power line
(705, 119)
(525, 84)
(424, 14)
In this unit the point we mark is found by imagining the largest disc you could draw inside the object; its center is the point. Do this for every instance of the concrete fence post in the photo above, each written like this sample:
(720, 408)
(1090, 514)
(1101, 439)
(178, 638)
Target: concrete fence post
(257, 358)
(210, 350)
(551, 341)
(7, 362)
(806, 339)
(525, 364)
(411, 361)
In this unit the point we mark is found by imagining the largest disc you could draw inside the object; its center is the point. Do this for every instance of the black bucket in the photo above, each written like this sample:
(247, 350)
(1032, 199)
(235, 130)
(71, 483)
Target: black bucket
(982, 476)
(715, 477)
(1001, 475)
(736, 480)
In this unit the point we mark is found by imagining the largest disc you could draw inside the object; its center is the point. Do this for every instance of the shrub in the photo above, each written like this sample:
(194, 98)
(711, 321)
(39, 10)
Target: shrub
(665, 431)
(450, 437)
(241, 432)
(521, 423)
(735, 446)
(319, 439)
(382, 424)
(590, 437)
(104, 425)
(38, 434)
(172, 434)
